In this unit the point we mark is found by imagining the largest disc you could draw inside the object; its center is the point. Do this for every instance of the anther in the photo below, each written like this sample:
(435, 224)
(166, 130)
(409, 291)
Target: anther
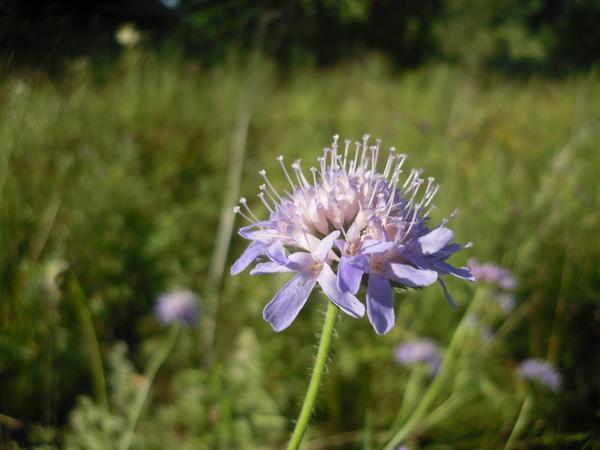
(263, 174)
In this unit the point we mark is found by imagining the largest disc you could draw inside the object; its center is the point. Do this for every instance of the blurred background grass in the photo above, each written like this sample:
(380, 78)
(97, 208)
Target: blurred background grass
(113, 168)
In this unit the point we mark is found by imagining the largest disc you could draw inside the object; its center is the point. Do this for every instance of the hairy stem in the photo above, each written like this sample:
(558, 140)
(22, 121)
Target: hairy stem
(315, 379)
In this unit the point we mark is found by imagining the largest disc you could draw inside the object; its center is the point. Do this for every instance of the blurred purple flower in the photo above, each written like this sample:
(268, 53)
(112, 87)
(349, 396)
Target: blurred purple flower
(540, 371)
(378, 225)
(177, 306)
(506, 302)
(419, 351)
(492, 274)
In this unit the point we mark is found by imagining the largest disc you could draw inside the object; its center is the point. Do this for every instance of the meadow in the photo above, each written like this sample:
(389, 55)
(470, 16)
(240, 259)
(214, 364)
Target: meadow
(115, 183)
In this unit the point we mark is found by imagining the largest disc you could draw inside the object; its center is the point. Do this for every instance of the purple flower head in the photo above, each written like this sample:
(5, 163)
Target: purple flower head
(506, 302)
(377, 222)
(491, 274)
(419, 351)
(177, 306)
(541, 372)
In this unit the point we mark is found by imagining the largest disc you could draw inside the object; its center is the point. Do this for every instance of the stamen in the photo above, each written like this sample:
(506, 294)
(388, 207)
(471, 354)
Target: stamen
(299, 175)
(334, 148)
(375, 188)
(262, 197)
(287, 175)
(388, 164)
(243, 202)
(237, 210)
(377, 145)
(263, 174)
(356, 152)
(398, 169)
(346, 147)
(432, 195)
(431, 208)
(263, 188)
(321, 161)
(314, 174)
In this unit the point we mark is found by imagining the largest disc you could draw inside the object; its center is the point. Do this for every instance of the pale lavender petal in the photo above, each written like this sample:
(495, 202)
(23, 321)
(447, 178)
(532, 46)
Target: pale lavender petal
(250, 231)
(349, 276)
(372, 246)
(360, 262)
(300, 261)
(269, 267)
(380, 304)
(411, 276)
(435, 240)
(344, 300)
(287, 303)
(325, 245)
(276, 252)
(254, 250)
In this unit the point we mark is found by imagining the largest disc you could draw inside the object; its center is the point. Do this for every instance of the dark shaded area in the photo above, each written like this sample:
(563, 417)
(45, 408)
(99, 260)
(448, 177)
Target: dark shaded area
(553, 36)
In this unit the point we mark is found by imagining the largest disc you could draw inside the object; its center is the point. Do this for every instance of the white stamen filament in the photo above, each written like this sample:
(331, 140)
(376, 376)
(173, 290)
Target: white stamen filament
(263, 174)
(287, 175)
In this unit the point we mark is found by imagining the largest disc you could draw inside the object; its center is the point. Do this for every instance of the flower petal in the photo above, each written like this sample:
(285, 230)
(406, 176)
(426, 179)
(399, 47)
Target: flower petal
(276, 252)
(344, 300)
(380, 304)
(435, 240)
(459, 272)
(373, 246)
(269, 267)
(325, 245)
(285, 306)
(300, 261)
(254, 230)
(254, 250)
(410, 276)
(349, 276)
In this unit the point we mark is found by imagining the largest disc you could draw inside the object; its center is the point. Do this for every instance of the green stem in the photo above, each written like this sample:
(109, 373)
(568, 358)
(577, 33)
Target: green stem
(91, 340)
(438, 382)
(520, 423)
(156, 361)
(315, 379)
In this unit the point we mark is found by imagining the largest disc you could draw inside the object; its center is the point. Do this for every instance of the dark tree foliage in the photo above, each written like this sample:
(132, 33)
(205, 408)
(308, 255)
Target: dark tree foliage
(552, 35)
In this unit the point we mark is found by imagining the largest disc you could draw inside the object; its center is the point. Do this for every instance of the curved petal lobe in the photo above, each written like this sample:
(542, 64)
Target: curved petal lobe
(349, 276)
(254, 250)
(287, 303)
(380, 304)
(410, 276)
(325, 245)
(344, 300)
(276, 252)
(269, 267)
(435, 240)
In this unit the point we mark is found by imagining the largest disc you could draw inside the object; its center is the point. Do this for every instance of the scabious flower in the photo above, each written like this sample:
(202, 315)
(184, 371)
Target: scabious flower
(419, 351)
(344, 223)
(491, 274)
(177, 306)
(541, 372)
